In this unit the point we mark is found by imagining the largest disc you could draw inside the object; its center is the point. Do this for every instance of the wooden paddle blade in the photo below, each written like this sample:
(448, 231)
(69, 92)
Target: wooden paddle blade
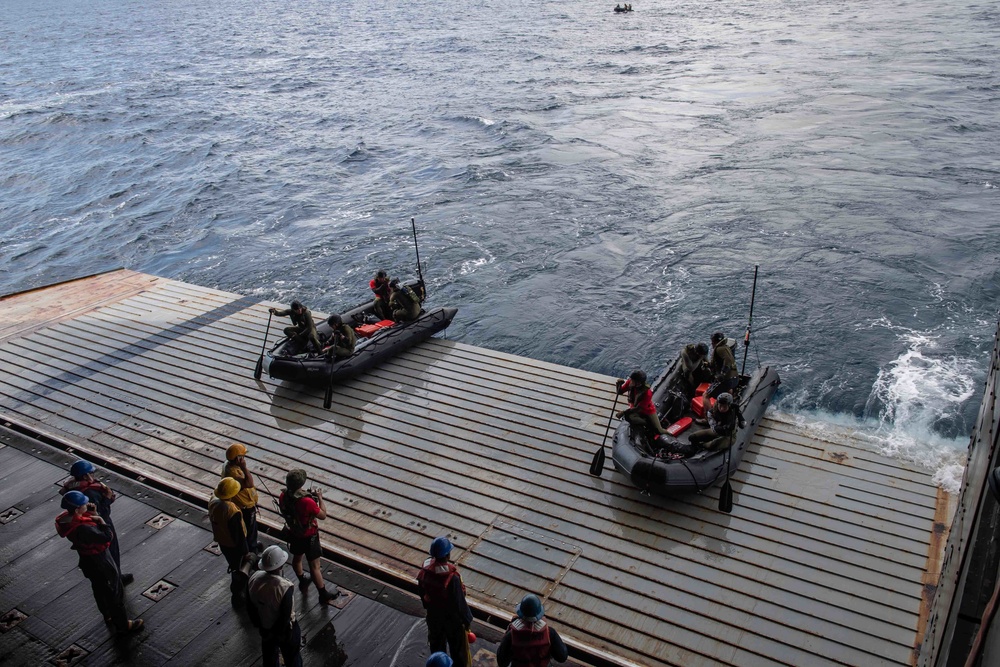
(597, 465)
(259, 369)
(726, 498)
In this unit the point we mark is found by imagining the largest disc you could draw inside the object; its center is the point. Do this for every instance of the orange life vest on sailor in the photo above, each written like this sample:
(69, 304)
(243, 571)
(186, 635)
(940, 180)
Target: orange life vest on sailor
(66, 525)
(435, 577)
(529, 644)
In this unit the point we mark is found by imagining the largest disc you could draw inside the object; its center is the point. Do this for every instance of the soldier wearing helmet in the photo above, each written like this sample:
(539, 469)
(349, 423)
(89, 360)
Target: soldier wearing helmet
(380, 287)
(723, 418)
(694, 367)
(342, 338)
(641, 412)
(271, 609)
(443, 596)
(723, 366)
(230, 532)
(82, 479)
(91, 537)
(529, 640)
(303, 330)
(404, 303)
(246, 499)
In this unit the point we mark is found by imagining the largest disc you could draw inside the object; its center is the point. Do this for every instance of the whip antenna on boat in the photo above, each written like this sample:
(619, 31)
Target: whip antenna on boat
(746, 338)
(420, 275)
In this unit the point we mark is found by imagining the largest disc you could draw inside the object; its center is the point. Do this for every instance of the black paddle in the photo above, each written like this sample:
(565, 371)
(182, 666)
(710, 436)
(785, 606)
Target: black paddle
(597, 465)
(328, 398)
(726, 494)
(260, 362)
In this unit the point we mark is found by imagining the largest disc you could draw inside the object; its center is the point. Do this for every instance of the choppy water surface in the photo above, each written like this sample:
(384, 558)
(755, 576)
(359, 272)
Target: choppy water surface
(592, 189)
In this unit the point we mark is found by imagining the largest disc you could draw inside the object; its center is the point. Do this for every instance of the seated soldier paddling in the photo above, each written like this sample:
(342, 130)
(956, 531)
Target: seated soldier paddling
(641, 411)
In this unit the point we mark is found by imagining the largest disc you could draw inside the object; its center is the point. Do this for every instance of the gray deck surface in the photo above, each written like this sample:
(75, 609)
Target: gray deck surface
(194, 623)
(827, 559)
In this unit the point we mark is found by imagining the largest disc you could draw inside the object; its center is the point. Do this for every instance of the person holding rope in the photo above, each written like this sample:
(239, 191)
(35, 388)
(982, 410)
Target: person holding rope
(302, 510)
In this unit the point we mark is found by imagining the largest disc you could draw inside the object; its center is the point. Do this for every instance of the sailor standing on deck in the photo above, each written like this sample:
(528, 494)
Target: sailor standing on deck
(302, 510)
(272, 610)
(443, 596)
(230, 533)
(246, 499)
(529, 640)
(91, 537)
(83, 480)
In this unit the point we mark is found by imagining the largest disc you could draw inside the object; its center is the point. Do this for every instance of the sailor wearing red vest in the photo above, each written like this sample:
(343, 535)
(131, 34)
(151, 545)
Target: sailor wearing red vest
(82, 479)
(91, 537)
(530, 641)
(443, 596)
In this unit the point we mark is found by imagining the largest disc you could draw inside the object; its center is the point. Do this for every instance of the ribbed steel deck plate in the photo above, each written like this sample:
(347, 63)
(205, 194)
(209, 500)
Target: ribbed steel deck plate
(827, 559)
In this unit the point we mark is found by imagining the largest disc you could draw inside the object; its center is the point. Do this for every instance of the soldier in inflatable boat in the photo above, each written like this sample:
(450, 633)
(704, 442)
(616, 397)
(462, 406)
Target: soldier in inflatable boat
(723, 418)
(303, 330)
(641, 411)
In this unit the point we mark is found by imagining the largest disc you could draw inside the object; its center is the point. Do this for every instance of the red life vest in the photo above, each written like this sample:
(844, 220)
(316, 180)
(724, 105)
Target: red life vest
(66, 525)
(435, 577)
(84, 485)
(529, 644)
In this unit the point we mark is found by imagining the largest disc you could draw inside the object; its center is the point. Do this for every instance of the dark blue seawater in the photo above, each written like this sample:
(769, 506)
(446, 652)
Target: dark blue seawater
(591, 189)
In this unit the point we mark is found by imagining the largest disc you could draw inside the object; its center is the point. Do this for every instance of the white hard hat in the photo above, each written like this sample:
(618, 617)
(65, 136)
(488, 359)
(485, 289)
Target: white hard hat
(273, 558)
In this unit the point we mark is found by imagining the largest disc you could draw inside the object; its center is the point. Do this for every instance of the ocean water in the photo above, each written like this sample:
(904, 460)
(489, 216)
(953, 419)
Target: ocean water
(590, 189)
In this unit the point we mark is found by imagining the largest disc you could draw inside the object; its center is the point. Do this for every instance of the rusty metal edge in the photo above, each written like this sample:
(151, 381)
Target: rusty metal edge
(60, 282)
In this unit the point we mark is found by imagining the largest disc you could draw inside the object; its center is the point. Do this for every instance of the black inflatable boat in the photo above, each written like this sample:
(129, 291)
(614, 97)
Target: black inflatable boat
(658, 468)
(377, 341)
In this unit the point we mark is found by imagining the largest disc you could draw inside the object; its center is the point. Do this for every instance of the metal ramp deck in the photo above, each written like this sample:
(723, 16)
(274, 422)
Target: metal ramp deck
(829, 557)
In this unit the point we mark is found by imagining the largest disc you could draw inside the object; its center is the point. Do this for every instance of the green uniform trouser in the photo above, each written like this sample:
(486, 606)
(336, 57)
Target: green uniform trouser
(381, 309)
(649, 422)
(340, 352)
(708, 439)
(310, 335)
